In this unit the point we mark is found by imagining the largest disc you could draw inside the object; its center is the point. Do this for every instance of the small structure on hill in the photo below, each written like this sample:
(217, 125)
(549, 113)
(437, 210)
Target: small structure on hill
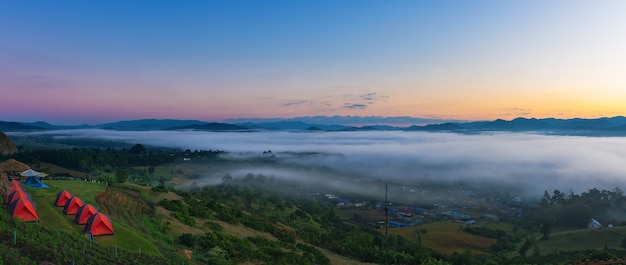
(99, 224)
(84, 212)
(72, 205)
(13, 196)
(12, 168)
(470, 222)
(33, 173)
(62, 198)
(13, 189)
(36, 182)
(23, 208)
(15, 183)
(594, 224)
(491, 217)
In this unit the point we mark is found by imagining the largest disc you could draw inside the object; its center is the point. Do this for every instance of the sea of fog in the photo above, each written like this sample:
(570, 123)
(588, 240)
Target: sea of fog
(531, 162)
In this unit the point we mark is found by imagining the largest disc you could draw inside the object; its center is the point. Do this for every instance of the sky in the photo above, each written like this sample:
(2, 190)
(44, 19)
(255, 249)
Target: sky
(74, 62)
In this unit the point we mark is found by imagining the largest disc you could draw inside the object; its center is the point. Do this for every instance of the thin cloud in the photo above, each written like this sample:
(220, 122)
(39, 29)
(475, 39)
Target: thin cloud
(516, 112)
(371, 97)
(360, 101)
(299, 102)
(354, 106)
(315, 104)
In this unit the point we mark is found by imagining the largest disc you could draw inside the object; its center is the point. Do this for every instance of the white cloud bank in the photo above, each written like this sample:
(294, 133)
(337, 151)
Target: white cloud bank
(528, 161)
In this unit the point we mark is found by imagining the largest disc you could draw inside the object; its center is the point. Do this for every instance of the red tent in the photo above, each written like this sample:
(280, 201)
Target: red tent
(13, 196)
(99, 224)
(62, 198)
(84, 212)
(16, 183)
(13, 189)
(23, 209)
(72, 205)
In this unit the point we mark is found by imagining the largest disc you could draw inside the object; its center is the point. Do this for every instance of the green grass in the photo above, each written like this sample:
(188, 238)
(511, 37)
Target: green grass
(126, 237)
(81, 189)
(506, 227)
(580, 239)
(52, 216)
(446, 237)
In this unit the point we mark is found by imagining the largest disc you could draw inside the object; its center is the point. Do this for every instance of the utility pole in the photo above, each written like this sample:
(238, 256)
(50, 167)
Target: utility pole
(386, 214)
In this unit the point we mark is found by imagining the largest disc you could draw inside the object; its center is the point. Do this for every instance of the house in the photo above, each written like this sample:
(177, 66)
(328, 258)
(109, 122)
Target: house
(419, 210)
(457, 215)
(594, 224)
(394, 224)
(491, 217)
(470, 222)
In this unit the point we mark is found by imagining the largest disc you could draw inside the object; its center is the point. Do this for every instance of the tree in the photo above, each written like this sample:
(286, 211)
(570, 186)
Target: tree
(558, 197)
(577, 215)
(162, 182)
(546, 228)
(227, 178)
(137, 149)
(545, 200)
(528, 243)
(433, 261)
(121, 176)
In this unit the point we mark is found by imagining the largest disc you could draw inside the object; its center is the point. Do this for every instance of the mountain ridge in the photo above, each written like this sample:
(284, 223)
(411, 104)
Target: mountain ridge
(605, 126)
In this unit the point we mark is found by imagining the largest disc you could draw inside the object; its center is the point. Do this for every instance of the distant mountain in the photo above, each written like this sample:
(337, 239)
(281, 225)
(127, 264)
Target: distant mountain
(290, 125)
(344, 120)
(436, 127)
(11, 126)
(148, 124)
(49, 126)
(519, 124)
(372, 128)
(212, 126)
(614, 126)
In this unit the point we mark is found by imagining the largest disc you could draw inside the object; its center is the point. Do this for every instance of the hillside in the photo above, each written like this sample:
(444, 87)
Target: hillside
(247, 220)
(142, 226)
(58, 240)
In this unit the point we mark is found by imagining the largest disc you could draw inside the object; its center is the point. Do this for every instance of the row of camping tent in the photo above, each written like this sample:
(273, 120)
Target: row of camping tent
(97, 223)
(20, 204)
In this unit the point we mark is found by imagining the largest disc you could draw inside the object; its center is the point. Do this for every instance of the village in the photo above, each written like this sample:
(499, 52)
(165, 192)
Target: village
(425, 205)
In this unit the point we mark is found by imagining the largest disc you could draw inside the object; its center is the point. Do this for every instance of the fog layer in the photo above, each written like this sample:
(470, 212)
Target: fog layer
(530, 162)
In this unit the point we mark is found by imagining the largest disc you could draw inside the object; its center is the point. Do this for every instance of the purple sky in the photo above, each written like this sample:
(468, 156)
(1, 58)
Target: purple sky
(73, 62)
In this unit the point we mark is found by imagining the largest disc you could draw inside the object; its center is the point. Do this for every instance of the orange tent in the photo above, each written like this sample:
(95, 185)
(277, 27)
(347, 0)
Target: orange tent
(99, 224)
(16, 183)
(23, 208)
(13, 196)
(84, 212)
(62, 198)
(13, 189)
(72, 205)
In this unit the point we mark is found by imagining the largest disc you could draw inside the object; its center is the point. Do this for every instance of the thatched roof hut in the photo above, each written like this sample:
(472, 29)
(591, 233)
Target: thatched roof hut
(12, 165)
(5, 186)
(13, 168)
(7, 146)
